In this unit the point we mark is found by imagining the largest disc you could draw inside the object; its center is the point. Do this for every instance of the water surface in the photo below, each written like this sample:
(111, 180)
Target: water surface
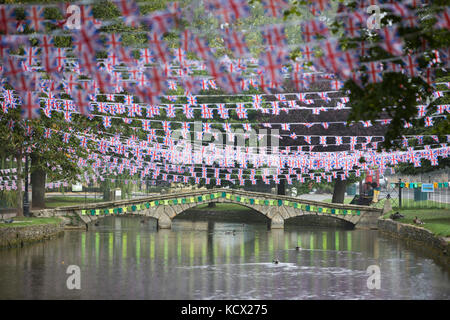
(124, 258)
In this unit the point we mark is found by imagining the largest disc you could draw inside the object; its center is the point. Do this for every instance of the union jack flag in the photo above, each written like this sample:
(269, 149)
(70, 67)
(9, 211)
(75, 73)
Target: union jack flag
(191, 85)
(206, 112)
(107, 122)
(186, 126)
(422, 110)
(222, 110)
(206, 127)
(113, 42)
(31, 54)
(235, 42)
(438, 94)
(229, 83)
(419, 139)
(307, 52)
(412, 65)
(170, 111)
(7, 19)
(442, 108)
(188, 112)
(336, 85)
(353, 26)
(428, 75)
(274, 37)
(312, 28)
(374, 72)
(129, 10)
(319, 6)
(392, 43)
(330, 60)
(86, 40)
(159, 47)
(30, 108)
(271, 63)
(191, 100)
(81, 100)
(247, 126)
(285, 127)
(241, 111)
(179, 55)
(275, 7)
(212, 84)
(166, 126)
(66, 137)
(35, 17)
(406, 15)
(324, 96)
(47, 133)
(444, 19)
(229, 10)
(12, 69)
(152, 135)
(428, 121)
(146, 125)
(367, 124)
(201, 48)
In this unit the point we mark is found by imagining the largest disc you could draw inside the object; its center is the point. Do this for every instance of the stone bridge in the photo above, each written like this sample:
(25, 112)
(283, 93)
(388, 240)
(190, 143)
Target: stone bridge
(276, 208)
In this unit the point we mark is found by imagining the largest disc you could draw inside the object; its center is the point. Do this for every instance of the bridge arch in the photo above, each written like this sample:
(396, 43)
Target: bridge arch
(314, 220)
(240, 210)
(167, 213)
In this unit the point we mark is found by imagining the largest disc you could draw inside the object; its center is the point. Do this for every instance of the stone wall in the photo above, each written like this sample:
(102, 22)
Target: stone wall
(415, 233)
(19, 236)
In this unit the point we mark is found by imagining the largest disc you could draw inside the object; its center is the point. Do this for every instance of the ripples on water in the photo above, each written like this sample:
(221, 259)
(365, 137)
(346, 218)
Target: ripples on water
(126, 259)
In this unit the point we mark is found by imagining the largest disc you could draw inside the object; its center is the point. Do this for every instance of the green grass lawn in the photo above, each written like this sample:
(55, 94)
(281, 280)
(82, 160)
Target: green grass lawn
(426, 204)
(436, 220)
(26, 221)
(406, 204)
(61, 201)
(223, 207)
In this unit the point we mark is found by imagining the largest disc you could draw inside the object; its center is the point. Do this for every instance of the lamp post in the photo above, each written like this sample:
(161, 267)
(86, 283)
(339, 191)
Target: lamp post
(26, 204)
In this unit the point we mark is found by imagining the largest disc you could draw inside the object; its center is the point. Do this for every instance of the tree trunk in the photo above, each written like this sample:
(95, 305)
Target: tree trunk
(38, 177)
(19, 204)
(211, 205)
(281, 188)
(106, 190)
(339, 191)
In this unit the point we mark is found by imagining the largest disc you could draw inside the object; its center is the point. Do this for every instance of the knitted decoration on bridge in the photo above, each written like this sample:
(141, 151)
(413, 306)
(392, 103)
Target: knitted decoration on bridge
(293, 204)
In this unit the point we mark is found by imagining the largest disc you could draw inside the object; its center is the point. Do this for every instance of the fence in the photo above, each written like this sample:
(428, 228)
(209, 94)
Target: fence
(431, 191)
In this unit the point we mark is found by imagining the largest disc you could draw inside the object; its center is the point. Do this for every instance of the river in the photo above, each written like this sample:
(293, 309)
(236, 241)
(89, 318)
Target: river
(127, 258)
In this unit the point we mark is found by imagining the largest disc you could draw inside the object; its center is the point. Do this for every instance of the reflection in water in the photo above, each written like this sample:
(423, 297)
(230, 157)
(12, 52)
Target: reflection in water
(123, 258)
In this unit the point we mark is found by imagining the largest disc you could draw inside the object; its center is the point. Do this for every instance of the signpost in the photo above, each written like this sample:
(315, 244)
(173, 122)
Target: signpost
(427, 187)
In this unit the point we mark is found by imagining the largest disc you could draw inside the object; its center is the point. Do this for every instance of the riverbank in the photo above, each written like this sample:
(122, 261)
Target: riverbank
(436, 221)
(25, 230)
(435, 233)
